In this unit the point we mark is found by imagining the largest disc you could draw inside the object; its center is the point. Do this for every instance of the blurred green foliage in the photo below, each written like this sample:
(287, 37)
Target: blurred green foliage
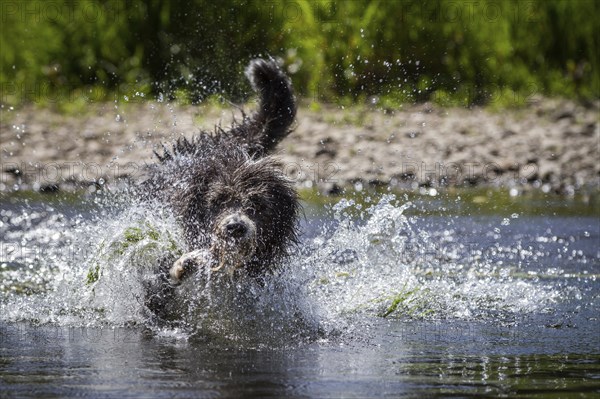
(454, 52)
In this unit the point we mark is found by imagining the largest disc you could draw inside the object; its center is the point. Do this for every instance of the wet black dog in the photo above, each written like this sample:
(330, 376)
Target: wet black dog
(238, 210)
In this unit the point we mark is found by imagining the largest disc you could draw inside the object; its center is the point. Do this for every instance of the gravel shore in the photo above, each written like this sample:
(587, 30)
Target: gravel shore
(552, 145)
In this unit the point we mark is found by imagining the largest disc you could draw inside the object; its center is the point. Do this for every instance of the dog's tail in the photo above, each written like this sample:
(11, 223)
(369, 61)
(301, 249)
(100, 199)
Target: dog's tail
(277, 108)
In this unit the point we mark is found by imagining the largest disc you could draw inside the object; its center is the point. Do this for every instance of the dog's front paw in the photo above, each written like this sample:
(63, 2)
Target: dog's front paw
(177, 272)
(185, 265)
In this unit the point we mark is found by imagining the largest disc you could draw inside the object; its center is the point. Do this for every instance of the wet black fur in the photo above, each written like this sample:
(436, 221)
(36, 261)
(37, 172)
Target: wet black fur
(211, 174)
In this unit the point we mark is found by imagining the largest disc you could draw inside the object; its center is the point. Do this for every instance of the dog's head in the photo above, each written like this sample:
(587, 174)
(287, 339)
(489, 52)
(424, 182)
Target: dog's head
(245, 211)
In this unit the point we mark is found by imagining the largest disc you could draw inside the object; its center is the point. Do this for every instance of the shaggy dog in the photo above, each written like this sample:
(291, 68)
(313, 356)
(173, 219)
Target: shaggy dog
(237, 209)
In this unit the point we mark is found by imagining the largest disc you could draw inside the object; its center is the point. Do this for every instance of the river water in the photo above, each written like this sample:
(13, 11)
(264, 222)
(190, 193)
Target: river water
(382, 298)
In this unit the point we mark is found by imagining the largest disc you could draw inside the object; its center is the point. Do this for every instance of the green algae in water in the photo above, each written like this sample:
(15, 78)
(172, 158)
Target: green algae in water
(463, 201)
(402, 298)
(93, 274)
(146, 237)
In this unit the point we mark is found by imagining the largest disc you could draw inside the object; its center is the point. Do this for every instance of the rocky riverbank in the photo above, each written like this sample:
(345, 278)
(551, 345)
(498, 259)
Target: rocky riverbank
(552, 145)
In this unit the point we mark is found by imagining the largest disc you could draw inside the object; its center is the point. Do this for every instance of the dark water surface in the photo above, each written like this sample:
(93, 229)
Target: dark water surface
(510, 306)
(400, 359)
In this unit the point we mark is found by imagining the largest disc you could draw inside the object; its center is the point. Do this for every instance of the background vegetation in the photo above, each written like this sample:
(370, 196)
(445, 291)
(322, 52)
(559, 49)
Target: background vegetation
(450, 51)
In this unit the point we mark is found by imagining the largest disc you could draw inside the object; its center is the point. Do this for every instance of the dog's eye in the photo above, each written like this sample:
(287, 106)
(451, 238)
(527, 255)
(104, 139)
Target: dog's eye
(250, 211)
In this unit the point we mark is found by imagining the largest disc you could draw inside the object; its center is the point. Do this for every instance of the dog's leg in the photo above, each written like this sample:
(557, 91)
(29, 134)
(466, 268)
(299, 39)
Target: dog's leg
(187, 264)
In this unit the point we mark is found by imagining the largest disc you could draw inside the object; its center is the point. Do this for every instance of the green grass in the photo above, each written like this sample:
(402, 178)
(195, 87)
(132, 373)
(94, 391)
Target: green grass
(451, 52)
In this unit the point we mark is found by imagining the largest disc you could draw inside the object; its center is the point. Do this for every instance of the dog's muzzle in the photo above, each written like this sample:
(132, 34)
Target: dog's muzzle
(234, 241)
(233, 245)
(236, 227)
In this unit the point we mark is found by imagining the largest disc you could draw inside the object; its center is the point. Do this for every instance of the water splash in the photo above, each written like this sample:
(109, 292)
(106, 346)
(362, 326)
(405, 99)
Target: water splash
(363, 264)
(387, 267)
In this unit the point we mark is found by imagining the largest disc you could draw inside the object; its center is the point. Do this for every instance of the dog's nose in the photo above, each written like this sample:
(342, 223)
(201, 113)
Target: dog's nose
(235, 229)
